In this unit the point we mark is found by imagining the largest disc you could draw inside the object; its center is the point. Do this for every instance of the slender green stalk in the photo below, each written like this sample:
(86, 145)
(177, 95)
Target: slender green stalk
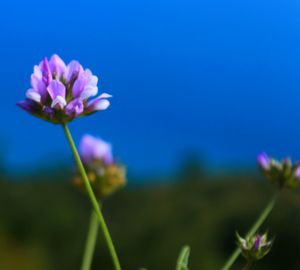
(90, 242)
(93, 200)
(183, 259)
(262, 217)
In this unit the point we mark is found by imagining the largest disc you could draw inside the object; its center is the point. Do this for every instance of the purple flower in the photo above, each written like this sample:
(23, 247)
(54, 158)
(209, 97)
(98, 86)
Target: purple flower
(263, 161)
(59, 92)
(94, 149)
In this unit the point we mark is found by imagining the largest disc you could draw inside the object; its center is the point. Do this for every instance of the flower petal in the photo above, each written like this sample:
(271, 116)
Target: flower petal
(75, 107)
(263, 161)
(46, 72)
(257, 243)
(105, 95)
(86, 148)
(73, 70)
(28, 105)
(85, 86)
(49, 111)
(91, 79)
(88, 92)
(33, 95)
(297, 172)
(98, 104)
(37, 72)
(79, 86)
(57, 65)
(56, 88)
(59, 102)
(40, 87)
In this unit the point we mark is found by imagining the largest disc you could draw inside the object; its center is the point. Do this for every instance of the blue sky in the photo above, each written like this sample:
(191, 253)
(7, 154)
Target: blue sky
(220, 78)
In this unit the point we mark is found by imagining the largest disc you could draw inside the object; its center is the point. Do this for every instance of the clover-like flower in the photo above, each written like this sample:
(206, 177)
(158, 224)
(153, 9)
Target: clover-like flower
(254, 248)
(283, 173)
(59, 92)
(105, 174)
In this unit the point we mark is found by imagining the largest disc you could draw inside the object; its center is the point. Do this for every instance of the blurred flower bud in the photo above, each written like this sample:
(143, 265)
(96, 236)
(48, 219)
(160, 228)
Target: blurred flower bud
(94, 149)
(256, 247)
(105, 175)
(283, 173)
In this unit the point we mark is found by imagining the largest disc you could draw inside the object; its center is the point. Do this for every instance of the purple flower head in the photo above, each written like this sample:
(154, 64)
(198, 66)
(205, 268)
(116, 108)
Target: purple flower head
(64, 90)
(94, 149)
(263, 161)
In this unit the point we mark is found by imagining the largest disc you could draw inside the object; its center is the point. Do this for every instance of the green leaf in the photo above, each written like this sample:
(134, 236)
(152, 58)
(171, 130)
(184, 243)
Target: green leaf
(183, 259)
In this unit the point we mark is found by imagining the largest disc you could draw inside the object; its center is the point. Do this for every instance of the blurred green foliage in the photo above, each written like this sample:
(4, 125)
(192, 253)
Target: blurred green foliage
(44, 221)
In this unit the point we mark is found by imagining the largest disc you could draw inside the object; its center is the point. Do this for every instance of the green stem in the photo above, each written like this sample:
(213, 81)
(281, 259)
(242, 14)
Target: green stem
(93, 200)
(90, 242)
(262, 217)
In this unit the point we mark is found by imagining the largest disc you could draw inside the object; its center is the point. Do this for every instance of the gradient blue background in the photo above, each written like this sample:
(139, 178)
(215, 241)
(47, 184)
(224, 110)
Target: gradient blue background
(221, 78)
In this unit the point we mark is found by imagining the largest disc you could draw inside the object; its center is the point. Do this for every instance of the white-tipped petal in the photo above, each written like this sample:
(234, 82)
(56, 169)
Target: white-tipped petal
(101, 105)
(59, 102)
(33, 95)
(105, 95)
(88, 92)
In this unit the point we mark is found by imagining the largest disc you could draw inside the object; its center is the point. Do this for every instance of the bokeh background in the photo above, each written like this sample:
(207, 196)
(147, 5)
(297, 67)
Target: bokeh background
(200, 88)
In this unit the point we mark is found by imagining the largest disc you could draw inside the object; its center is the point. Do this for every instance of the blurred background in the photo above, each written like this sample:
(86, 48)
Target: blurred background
(200, 88)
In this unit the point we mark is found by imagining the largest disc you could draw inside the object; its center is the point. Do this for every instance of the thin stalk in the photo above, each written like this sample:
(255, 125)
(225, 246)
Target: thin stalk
(260, 220)
(93, 200)
(90, 242)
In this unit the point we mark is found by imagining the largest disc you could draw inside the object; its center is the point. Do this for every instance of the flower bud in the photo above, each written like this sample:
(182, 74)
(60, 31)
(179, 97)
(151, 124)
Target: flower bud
(283, 173)
(255, 247)
(105, 175)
